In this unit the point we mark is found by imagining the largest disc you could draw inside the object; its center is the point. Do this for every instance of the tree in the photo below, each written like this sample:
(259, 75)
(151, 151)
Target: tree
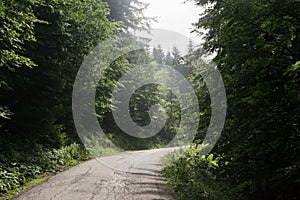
(257, 46)
(43, 44)
(130, 12)
(176, 55)
(17, 21)
(190, 48)
(41, 98)
(158, 54)
(168, 59)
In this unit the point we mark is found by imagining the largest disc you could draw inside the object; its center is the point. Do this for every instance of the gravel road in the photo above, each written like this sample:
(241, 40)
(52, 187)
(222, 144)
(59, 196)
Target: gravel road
(129, 175)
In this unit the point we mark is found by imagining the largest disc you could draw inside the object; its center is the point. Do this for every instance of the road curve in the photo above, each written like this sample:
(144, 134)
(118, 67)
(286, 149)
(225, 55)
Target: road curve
(125, 176)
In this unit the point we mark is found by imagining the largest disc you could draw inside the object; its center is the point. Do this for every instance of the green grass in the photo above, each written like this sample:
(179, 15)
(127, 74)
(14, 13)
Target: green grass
(50, 163)
(27, 185)
(30, 168)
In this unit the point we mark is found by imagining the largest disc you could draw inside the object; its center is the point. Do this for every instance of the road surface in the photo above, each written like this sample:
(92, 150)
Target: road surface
(126, 176)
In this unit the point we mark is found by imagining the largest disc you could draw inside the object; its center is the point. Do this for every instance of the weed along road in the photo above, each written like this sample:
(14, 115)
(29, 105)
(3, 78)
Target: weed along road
(129, 175)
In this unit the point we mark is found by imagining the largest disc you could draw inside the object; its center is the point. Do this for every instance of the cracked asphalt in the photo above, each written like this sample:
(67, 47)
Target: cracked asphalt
(129, 175)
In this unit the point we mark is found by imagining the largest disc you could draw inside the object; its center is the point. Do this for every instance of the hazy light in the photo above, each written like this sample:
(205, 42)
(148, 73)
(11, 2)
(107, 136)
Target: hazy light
(175, 15)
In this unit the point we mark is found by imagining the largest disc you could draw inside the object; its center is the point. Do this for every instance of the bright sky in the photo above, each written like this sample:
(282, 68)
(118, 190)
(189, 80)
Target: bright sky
(174, 15)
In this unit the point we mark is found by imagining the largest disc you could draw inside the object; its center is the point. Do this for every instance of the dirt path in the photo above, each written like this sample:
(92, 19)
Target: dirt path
(130, 175)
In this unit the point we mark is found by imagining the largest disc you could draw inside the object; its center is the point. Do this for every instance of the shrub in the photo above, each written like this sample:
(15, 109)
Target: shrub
(15, 174)
(191, 176)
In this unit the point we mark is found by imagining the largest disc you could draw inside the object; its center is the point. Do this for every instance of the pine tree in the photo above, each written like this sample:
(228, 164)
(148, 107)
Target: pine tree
(168, 59)
(176, 55)
(190, 47)
(158, 54)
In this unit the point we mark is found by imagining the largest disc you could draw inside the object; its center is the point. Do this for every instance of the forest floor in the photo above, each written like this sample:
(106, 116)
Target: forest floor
(132, 175)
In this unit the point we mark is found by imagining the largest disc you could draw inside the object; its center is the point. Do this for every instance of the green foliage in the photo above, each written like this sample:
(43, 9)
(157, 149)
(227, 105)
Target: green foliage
(41, 98)
(16, 173)
(158, 54)
(43, 44)
(10, 194)
(176, 55)
(140, 103)
(130, 12)
(191, 176)
(16, 27)
(191, 47)
(17, 21)
(257, 51)
(167, 58)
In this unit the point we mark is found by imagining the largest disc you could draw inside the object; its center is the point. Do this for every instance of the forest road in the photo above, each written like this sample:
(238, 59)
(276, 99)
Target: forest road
(132, 175)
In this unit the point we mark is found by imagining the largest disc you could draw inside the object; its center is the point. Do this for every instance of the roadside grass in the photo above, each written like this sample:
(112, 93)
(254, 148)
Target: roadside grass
(28, 170)
(12, 193)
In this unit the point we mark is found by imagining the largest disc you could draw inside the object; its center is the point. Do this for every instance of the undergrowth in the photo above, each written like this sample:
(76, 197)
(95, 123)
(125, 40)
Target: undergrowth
(17, 172)
(191, 176)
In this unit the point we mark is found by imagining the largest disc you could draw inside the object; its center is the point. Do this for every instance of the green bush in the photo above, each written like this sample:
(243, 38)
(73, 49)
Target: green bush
(191, 176)
(15, 174)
